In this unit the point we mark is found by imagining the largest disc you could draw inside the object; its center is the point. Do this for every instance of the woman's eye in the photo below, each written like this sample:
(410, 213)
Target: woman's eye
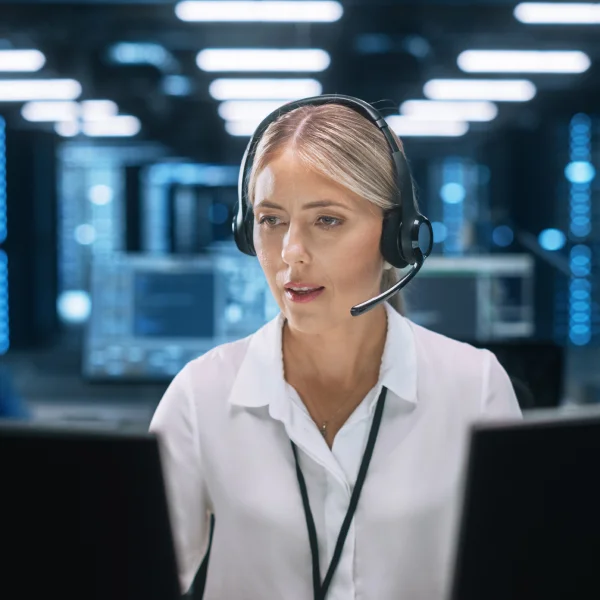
(268, 221)
(330, 221)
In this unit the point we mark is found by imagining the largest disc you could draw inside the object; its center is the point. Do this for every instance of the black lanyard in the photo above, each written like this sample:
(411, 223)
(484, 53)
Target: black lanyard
(320, 591)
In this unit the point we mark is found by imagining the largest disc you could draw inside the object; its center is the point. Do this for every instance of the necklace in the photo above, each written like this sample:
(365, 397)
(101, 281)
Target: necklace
(325, 424)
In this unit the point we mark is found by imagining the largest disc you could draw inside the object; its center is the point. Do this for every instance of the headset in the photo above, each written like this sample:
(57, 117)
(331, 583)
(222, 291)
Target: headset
(406, 237)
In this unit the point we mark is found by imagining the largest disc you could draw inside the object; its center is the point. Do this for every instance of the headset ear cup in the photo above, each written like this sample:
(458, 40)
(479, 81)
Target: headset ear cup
(242, 231)
(249, 233)
(390, 245)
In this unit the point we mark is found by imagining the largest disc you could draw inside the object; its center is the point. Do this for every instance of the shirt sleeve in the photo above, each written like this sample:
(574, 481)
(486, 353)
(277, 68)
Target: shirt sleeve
(498, 399)
(175, 426)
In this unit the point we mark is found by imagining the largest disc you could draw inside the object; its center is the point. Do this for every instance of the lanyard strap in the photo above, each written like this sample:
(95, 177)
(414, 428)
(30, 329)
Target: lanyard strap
(320, 591)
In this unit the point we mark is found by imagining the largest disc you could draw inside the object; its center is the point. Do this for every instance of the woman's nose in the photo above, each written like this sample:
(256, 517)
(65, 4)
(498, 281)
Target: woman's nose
(294, 245)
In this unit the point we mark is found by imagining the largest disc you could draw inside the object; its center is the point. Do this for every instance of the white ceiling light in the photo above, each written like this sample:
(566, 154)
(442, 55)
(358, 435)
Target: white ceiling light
(295, 11)
(432, 110)
(558, 13)
(94, 110)
(263, 89)
(67, 128)
(502, 90)
(119, 126)
(244, 110)
(40, 111)
(241, 128)
(523, 61)
(21, 60)
(405, 126)
(22, 90)
(250, 59)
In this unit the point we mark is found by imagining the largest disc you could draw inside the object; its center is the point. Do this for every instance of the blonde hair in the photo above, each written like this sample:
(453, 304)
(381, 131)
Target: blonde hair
(339, 143)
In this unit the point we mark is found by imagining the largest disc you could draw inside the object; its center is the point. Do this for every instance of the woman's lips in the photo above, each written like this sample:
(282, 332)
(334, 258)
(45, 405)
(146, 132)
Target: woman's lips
(302, 297)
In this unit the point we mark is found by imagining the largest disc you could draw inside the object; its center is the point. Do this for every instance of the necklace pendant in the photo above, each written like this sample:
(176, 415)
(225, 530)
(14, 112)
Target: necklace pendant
(323, 429)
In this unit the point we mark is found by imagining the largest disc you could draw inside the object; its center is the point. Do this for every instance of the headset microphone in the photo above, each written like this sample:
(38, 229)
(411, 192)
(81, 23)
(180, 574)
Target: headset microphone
(406, 237)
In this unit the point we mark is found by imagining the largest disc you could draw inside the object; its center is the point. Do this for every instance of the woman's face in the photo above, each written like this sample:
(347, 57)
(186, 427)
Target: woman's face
(310, 232)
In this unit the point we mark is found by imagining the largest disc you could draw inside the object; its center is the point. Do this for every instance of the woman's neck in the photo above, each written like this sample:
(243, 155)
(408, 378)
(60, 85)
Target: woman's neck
(341, 358)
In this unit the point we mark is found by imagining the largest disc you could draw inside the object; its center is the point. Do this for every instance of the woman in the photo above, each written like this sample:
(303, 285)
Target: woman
(321, 182)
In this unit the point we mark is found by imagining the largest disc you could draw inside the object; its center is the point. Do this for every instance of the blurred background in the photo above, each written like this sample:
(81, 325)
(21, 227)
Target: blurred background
(122, 125)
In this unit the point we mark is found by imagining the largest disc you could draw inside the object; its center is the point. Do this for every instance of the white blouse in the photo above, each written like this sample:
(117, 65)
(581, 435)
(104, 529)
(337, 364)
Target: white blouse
(225, 426)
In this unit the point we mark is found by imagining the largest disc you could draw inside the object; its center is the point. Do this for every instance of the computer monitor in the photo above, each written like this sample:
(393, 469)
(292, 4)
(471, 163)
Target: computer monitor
(483, 298)
(530, 526)
(153, 314)
(83, 514)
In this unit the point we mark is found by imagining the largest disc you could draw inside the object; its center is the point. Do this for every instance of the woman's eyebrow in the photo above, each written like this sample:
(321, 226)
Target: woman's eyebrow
(324, 204)
(268, 204)
(309, 205)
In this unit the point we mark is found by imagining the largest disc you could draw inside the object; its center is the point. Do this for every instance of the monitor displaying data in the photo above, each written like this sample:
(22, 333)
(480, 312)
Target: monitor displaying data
(153, 314)
(475, 298)
(173, 304)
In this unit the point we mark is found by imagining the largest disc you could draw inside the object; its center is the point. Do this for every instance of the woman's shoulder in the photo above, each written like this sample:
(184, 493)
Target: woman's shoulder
(444, 354)
(216, 369)
(438, 341)
(464, 372)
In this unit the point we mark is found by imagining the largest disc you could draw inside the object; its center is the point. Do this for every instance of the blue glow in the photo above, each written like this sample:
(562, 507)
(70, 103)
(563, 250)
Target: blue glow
(580, 317)
(579, 153)
(4, 323)
(177, 85)
(580, 305)
(580, 295)
(581, 220)
(453, 193)
(580, 196)
(580, 284)
(580, 172)
(552, 239)
(133, 53)
(193, 174)
(3, 225)
(4, 333)
(503, 236)
(373, 43)
(581, 128)
(580, 261)
(440, 232)
(580, 339)
(218, 213)
(581, 250)
(581, 231)
(581, 329)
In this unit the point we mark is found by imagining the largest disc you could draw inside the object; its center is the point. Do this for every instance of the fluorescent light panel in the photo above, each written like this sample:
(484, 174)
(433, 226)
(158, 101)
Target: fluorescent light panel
(248, 110)
(241, 128)
(48, 111)
(250, 59)
(227, 11)
(523, 61)
(501, 90)
(433, 110)
(407, 127)
(558, 13)
(95, 110)
(119, 126)
(56, 110)
(22, 90)
(21, 60)
(67, 128)
(263, 89)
